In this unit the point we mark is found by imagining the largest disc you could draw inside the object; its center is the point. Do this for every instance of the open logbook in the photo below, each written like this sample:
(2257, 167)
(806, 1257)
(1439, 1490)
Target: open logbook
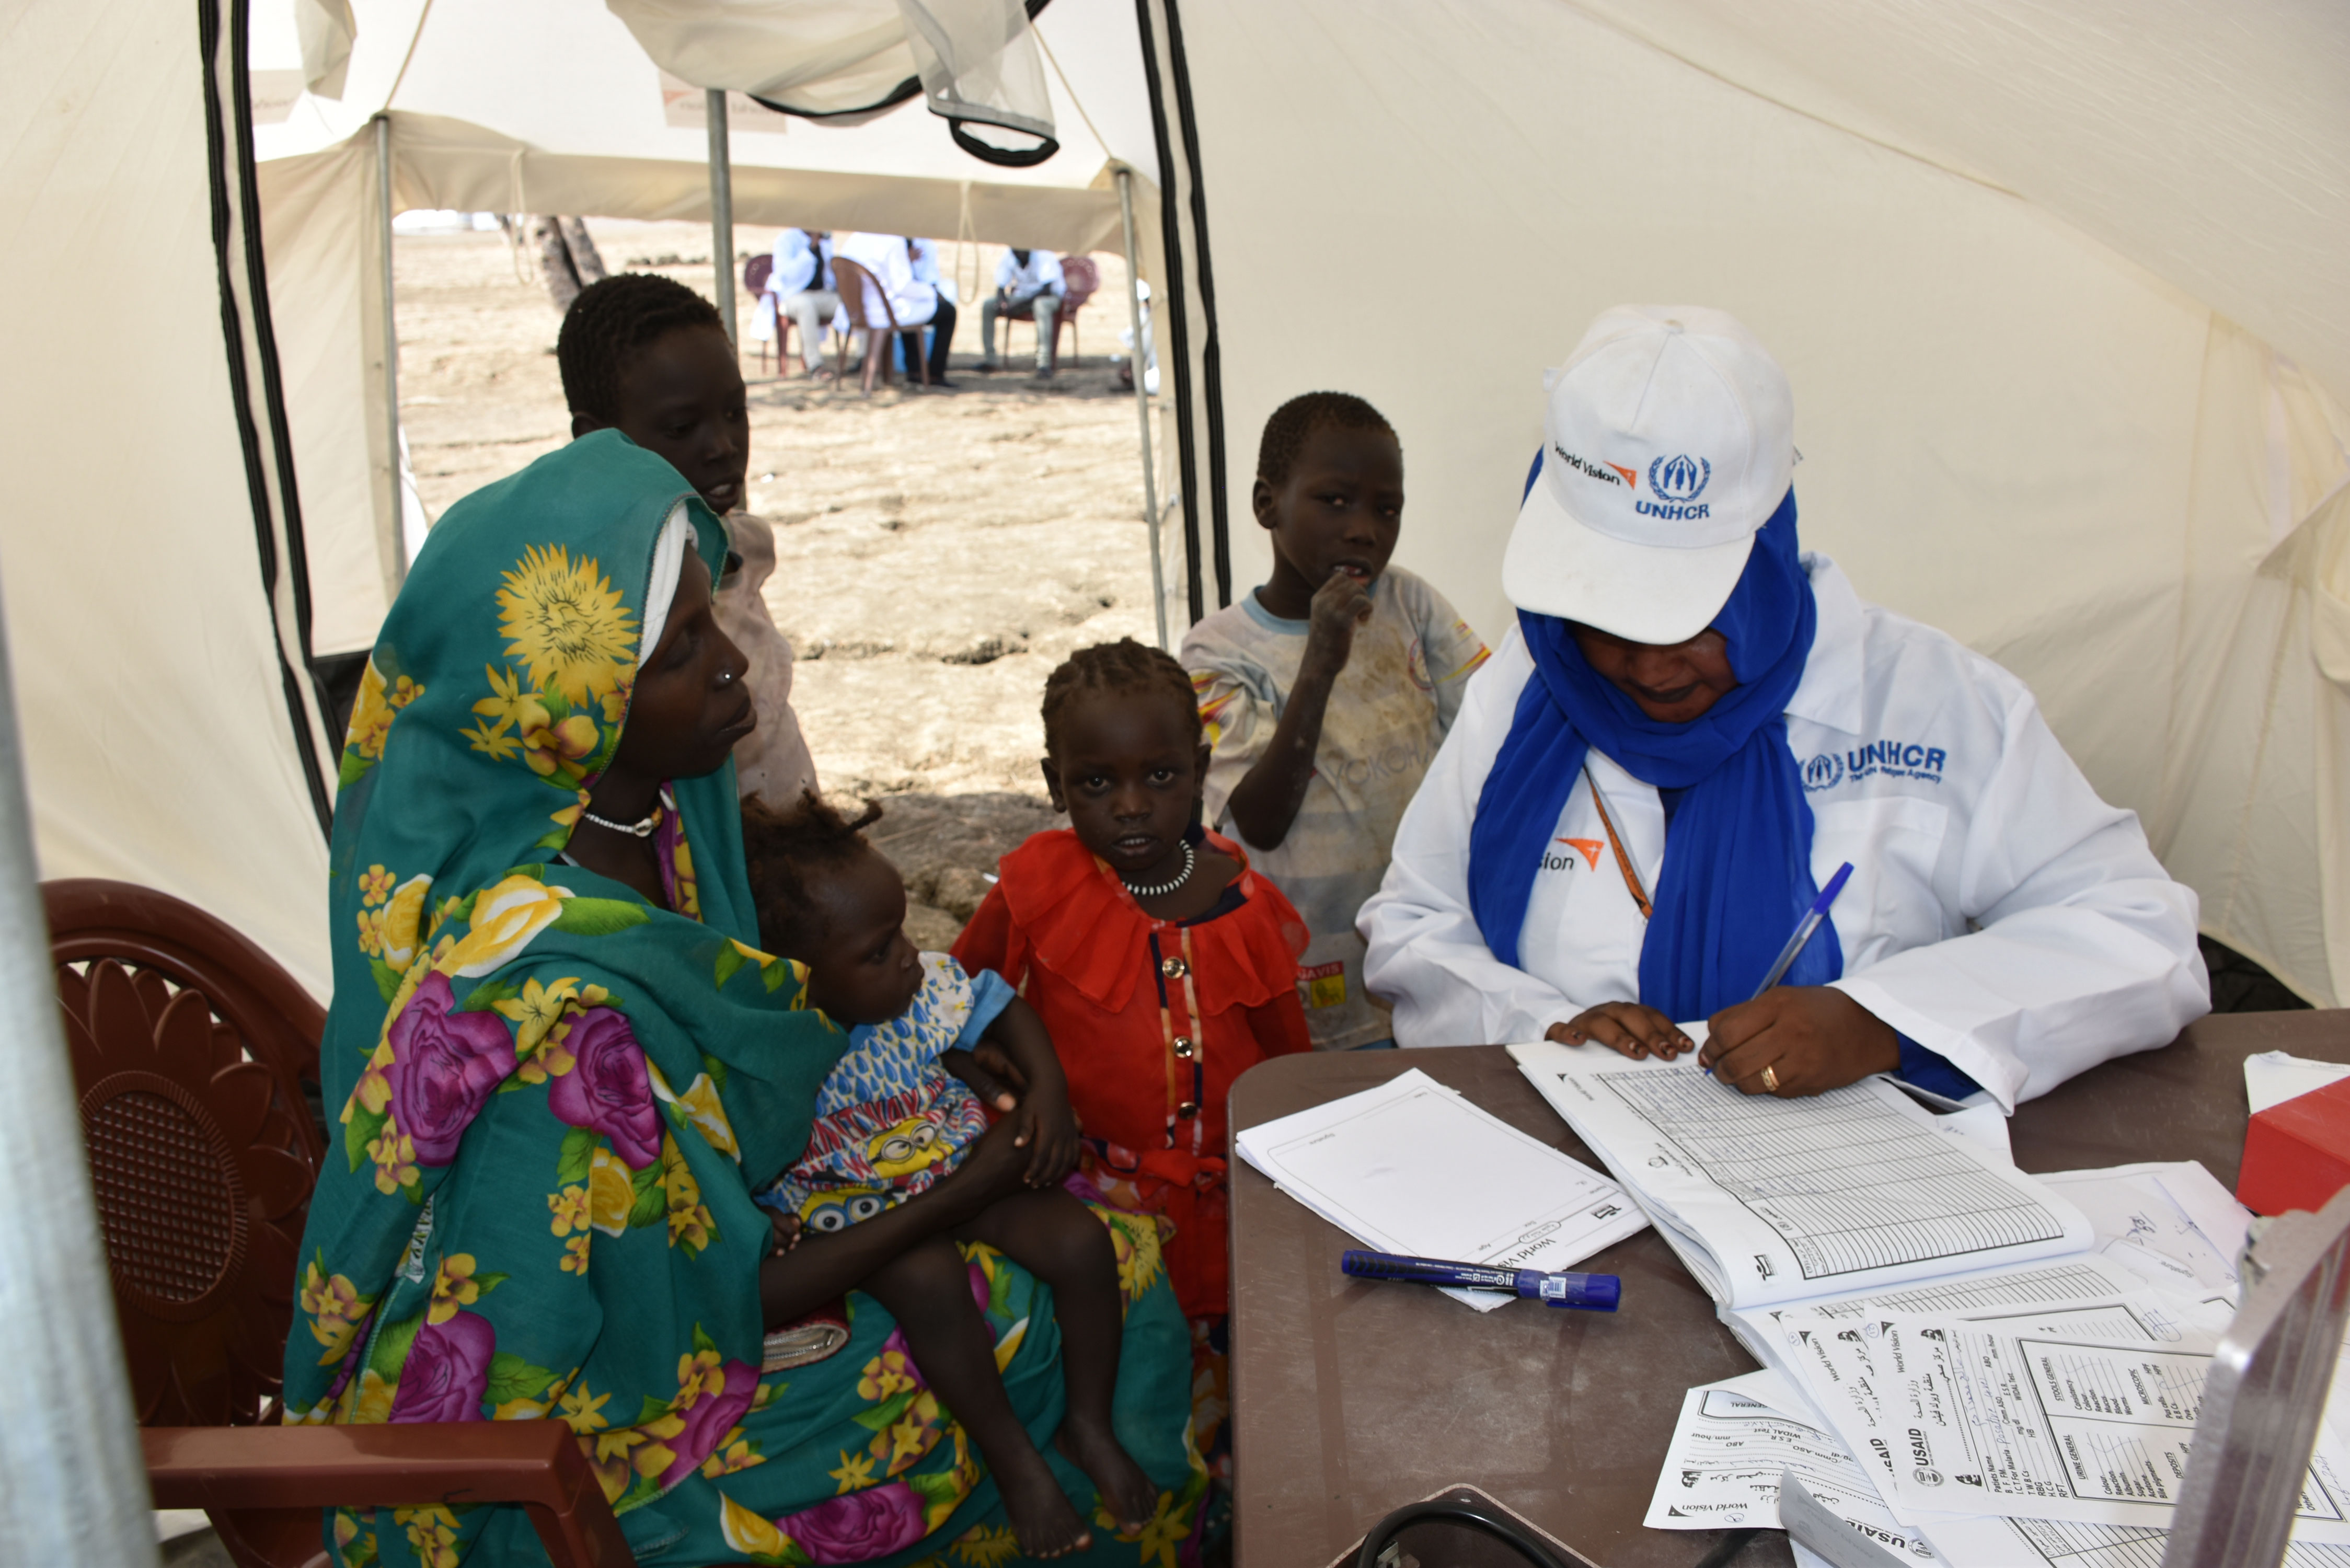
(1771, 1201)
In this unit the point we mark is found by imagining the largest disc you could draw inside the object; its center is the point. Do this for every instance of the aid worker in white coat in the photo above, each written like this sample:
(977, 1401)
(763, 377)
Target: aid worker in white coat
(1694, 724)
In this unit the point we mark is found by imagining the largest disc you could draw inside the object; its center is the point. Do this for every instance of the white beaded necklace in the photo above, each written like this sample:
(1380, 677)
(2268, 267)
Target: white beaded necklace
(1160, 889)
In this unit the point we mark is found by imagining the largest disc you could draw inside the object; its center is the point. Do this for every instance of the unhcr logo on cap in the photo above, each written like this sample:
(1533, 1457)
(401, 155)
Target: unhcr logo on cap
(1678, 480)
(1681, 477)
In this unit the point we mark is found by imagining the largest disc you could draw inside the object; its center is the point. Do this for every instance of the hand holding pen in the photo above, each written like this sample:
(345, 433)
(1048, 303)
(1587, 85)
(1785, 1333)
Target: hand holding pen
(1793, 1040)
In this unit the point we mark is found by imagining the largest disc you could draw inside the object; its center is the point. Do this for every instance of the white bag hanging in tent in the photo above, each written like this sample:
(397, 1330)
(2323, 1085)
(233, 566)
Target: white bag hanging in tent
(845, 61)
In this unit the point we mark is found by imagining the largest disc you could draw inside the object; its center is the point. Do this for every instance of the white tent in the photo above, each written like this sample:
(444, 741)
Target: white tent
(595, 126)
(2060, 287)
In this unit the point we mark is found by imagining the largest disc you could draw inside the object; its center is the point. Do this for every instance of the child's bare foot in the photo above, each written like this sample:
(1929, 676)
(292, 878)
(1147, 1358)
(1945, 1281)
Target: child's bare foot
(1041, 1516)
(1131, 1496)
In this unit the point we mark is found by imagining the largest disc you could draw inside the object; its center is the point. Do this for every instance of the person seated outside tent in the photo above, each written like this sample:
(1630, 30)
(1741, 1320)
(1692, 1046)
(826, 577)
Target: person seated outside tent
(1024, 280)
(923, 256)
(648, 356)
(800, 288)
(1693, 724)
(916, 304)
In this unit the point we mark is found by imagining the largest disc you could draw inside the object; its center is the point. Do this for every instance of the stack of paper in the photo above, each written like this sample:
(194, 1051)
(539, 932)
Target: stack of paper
(1770, 1201)
(1411, 1167)
(2272, 1077)
(1970, 1366)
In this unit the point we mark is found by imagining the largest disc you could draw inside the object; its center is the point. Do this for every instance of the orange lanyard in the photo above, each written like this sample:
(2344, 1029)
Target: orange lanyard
(1623, 861)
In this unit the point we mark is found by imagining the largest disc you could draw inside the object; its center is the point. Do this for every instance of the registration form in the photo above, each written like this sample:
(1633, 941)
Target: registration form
(1770, 1201)
(2049, 1418)
(2090, 1285)
(1735, 1438)
(1991, 1542)
(1413, 1166)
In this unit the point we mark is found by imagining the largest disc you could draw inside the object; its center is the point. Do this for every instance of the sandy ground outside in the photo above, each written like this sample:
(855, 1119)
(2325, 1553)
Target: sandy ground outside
(938, 553)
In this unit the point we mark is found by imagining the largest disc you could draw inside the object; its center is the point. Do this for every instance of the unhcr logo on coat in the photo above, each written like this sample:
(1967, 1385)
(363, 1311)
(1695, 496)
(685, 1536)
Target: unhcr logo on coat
(1678, 480)
(1878, 759)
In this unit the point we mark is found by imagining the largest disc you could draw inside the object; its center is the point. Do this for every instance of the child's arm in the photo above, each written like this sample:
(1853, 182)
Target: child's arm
(1048, 1128)
(1280, 1026)
(1265, 805)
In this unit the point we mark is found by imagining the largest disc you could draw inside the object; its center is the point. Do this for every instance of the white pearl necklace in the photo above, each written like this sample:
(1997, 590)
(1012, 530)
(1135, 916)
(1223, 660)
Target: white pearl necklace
(1163, 889)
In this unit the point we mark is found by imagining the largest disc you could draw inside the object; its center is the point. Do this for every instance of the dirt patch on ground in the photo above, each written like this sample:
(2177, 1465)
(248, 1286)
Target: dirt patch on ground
(938, 552)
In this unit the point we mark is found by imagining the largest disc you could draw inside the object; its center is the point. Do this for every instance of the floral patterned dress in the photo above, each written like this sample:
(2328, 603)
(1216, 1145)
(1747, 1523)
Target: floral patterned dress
(555, 1099)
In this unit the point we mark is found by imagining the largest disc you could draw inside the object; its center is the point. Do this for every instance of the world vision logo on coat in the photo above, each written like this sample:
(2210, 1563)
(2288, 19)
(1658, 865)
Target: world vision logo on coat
(1590, 848)
(1878, 759)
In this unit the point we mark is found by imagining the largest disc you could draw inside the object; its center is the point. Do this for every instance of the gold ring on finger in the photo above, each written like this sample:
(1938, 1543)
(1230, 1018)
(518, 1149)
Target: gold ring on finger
(1770, 1080)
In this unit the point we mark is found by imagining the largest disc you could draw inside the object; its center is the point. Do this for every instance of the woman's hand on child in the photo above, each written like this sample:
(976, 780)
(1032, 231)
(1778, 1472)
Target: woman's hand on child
(786, 1231)
(1625, 1027)
(988, 1071)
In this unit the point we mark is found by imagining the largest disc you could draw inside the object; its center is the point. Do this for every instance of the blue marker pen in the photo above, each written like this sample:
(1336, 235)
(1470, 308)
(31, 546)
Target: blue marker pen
(1590, 1292)
(1805, 927)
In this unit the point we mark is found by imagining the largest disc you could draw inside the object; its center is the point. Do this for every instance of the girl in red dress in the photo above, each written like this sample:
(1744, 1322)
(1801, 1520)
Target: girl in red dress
(1162, 965)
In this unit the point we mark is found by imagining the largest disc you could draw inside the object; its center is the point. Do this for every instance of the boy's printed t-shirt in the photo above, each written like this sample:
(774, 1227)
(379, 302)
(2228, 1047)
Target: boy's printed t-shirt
(1389, 712)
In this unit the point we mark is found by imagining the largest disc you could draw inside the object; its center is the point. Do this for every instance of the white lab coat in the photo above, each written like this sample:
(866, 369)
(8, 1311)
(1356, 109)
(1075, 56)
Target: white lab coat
(798, 264)
(885, 258)
(1999, 913)
(1042, 272)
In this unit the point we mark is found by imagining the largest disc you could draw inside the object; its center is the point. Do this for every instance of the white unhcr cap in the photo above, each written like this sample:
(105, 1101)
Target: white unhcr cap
(1670, 440)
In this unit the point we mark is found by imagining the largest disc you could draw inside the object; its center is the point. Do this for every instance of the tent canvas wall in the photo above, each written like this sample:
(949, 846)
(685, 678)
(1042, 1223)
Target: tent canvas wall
(2059, 287)
(2063, 292)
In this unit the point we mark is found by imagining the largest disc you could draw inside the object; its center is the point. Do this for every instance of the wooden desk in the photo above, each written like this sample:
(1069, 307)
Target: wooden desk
(1350, 1398)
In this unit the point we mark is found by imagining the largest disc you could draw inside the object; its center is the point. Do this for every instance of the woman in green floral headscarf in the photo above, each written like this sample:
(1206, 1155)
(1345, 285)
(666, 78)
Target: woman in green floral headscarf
(560, 1068)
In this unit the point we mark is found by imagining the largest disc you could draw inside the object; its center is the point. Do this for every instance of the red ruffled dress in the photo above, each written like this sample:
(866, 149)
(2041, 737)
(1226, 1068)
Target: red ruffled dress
(1152, 1020)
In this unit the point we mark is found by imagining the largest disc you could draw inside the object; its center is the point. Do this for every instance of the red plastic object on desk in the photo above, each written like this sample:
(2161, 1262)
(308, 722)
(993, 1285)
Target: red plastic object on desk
(2297, 1153)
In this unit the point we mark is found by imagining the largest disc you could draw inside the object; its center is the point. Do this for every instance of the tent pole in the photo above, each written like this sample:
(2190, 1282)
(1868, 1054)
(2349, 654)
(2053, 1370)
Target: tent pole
(1138, 363)
(390, 357)
(73, 1487)
(722, 209)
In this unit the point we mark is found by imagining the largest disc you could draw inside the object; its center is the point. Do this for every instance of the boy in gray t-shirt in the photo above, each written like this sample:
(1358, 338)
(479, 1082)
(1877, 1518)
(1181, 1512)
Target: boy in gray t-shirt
(1327, 691)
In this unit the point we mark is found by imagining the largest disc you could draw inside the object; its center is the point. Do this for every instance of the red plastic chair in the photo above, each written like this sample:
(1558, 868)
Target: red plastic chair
(855, 286)
(1082, 280)
(756, 273)
(192, 1052)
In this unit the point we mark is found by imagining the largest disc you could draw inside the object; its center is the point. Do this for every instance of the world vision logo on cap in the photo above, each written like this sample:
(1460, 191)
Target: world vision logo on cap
(1678, 480)
(1605, 473)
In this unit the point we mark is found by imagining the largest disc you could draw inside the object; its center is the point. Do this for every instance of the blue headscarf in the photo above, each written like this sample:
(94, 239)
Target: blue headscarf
(1738, 860)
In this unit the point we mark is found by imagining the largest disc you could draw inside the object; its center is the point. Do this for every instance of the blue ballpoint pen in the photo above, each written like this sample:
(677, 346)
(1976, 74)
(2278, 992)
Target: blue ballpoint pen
(1591, 1292)
(1804, 928)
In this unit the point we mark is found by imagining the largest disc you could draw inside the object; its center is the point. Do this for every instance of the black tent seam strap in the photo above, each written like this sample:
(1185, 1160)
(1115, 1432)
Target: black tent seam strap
(1177, 319)
(1002, 157)
(208, 39)
(910, 87)
(264, 337)
(294, 537)
(1210, 346)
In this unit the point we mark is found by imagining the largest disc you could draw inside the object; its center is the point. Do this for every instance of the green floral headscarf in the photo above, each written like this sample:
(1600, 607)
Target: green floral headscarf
(551, 1100)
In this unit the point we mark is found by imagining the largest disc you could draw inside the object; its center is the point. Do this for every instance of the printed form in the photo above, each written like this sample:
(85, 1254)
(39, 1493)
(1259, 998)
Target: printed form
(1412, 1166)
(2077, 1292)
(2029, 1418)
(1735, 1438)
(1991, 1542)
(1772, 1200)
